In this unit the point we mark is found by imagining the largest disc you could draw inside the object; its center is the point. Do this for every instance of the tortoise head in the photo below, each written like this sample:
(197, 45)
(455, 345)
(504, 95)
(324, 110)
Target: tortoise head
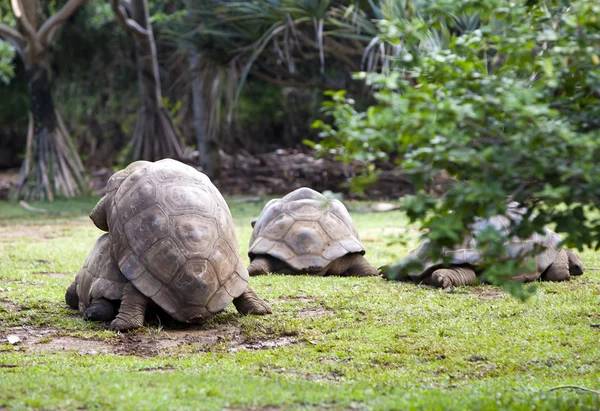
(575, 263)
(99, 213)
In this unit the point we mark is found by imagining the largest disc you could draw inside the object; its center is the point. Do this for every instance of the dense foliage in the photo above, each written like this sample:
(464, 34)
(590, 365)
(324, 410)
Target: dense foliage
(505, 98)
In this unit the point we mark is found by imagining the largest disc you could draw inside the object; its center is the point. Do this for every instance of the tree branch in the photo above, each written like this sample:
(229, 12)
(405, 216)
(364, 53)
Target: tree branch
(48, 29)
(129, 24)
(13, 37)
(22, 19)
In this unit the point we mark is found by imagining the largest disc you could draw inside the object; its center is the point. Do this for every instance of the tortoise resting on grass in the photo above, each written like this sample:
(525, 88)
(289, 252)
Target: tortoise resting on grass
(98, 287)
(172, 236)
(552, 263)
(305, 233)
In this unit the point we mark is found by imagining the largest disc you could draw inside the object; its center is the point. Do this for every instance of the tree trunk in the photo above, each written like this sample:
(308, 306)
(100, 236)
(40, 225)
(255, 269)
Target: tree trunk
(208, 149)
(155, 136)
(41, 104)
(52, 165)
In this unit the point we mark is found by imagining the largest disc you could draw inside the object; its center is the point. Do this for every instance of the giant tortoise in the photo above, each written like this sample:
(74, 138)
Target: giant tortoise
(172, 237)
(552, 262)
(306, 233)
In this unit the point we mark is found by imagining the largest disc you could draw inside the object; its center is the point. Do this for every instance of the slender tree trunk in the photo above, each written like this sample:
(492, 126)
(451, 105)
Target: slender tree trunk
(155, 136)
(52, 165)
(208, 149)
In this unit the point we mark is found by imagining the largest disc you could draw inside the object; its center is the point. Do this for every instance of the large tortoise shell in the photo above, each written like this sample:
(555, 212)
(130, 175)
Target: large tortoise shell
(546, 244)
(173, 237)
(305, 230)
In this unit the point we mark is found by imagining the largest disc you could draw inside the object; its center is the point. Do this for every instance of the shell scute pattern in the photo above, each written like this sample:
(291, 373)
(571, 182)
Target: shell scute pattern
(195, 234)
(307, 237)
(183, 200)
(306, 209)
(180, 247)
(164, 259)
(146, 228)
(195, 282)
(516, 248)
(305, 230)
(224, 223)
(279, 226)
(271, 209)
(335, 228)
(281, 252)
(338, 210)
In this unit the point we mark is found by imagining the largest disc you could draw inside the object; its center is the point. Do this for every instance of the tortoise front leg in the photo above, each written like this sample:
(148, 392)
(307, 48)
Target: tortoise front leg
(132, 310)
(360, 267)
(100, 309)
(451, 277)
(250, 303)
(71, 297)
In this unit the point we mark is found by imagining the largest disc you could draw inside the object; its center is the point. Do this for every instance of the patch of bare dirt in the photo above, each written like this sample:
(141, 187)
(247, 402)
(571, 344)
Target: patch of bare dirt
(47, 339)
(313, 312)
(56, 275)
(43, 232)
(67, 343)
(143, 344)
(333, 376)
(26, 231)
(10, 306)
(162, 342)
(298, 298)
(488, 293)
(263, 344)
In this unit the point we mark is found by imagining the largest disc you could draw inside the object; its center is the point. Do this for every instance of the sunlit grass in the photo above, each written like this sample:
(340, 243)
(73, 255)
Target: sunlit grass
(361, 343)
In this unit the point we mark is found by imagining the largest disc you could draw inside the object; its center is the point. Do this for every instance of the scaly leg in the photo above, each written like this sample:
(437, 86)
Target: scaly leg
(361, 267)
(250, 303)
(132, 311)
(451, 277)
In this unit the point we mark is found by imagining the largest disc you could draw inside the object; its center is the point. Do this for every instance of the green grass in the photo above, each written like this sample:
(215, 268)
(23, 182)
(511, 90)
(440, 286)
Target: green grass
(334, 343)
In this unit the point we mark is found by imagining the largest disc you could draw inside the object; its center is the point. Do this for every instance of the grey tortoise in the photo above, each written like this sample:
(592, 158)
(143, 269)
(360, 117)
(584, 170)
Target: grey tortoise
(172, 236)
(306, 233)
(552, 262)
